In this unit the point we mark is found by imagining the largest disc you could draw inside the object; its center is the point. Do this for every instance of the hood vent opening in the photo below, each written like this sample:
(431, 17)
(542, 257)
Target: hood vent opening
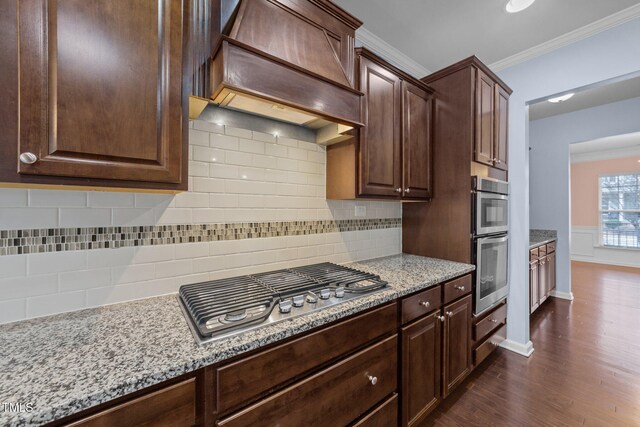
(291, 61)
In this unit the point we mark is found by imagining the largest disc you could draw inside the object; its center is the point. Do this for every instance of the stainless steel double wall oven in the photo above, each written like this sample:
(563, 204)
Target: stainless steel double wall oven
(490, 242)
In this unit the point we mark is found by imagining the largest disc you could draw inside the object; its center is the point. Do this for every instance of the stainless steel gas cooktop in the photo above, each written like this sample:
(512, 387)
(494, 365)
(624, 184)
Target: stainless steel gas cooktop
(227, 307)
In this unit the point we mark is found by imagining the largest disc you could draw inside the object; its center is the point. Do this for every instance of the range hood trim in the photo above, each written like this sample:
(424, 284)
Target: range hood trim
(222, 82)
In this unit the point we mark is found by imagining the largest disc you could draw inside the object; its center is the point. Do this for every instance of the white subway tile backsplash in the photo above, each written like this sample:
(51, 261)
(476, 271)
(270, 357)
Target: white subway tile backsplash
(129, 217)
(13, 266)
(198, 137)
(13, 198)
(251, 146)
(132, 273)
(209, 155)
(264, 137)
(51, 304)
(241, 133)
(13, 310)
(99, 199)
(224, 142)
(236, 175)
(83, 217)
(56, 262)
(84, 279)
(58, 199)
(19, 218)
(23, 287)
(146, 254)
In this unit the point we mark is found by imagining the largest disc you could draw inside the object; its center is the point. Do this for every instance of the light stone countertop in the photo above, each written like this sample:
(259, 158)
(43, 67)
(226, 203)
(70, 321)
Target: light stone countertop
(66, 363)
(540, 237)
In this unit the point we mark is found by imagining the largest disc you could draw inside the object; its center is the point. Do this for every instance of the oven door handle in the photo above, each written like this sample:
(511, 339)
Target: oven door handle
(494, 239)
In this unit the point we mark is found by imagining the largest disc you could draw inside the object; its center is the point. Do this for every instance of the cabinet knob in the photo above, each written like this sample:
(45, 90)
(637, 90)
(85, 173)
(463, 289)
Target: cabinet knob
(373, 380)
(495, 344)
(425, 304)
(407, 190)
(398, 190)
(459, 287)
(498, 161)
(28, 158)
(494, 160)
(441, 318)
(494, 321)
(449, 313)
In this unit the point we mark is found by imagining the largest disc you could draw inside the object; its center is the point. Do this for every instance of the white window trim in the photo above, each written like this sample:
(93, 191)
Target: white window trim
(600, 211)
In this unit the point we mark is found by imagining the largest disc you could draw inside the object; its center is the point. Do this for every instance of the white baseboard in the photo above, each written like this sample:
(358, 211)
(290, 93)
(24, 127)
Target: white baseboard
(562, 295)
(519, 348)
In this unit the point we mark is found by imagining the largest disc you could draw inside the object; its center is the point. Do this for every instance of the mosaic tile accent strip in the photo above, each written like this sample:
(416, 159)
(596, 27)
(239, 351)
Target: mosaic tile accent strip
(16, 242)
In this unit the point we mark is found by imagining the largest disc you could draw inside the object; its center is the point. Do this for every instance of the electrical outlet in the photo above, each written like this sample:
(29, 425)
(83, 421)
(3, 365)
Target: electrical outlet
(361, 210)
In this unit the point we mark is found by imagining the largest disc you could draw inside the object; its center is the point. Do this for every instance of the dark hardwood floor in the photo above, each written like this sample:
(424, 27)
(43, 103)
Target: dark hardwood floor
(585, 369)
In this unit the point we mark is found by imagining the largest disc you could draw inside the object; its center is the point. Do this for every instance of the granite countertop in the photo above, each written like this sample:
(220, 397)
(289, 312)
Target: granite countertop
(69, 362)
(540, 237)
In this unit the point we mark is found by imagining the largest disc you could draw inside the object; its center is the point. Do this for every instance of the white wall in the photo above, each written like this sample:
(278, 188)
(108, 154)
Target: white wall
(235, 175)
(603, 56)
(549, 163)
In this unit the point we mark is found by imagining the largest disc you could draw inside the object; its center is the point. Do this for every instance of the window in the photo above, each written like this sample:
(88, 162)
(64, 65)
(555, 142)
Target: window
(620, 210)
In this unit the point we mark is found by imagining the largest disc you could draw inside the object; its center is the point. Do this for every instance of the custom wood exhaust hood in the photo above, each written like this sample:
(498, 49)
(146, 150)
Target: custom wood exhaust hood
(290, 60)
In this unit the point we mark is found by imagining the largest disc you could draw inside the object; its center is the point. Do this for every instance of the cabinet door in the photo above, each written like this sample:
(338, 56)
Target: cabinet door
(101, 93)
(551, 271)
(420, 368)
(542, 280)
(456, 356)
(501, 137)
(416, 141)
(380, 167)
(533, 286)
(484, 119)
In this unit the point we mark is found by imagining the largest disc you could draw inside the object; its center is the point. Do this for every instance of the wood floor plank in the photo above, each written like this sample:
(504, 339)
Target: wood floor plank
(585, 369)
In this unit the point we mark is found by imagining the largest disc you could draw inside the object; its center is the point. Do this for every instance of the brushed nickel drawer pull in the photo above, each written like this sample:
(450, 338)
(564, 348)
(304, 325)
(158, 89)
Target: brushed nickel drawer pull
(494, 321)
(373, 380)
(398, 190)
(460, 288)
(450, 313)
(441, 318)
(425, 304)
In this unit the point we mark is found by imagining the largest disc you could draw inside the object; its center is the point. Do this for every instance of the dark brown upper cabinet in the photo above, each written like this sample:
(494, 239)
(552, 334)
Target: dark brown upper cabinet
(486, 97)
(97, 93)
(390, 157)
(492, 115)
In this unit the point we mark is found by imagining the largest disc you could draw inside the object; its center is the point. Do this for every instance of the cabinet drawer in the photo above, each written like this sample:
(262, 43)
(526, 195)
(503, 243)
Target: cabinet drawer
(457, 288)
(171, 406)
(489, 323)
(533, 254)
(422, 303)
(487, 347)
(542, 251)
(384, 415)
(335, 396)
(248, 378)
(551, 247)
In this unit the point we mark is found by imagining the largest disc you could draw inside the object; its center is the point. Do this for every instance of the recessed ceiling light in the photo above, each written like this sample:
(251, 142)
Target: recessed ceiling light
(561, 98)
(514, 6)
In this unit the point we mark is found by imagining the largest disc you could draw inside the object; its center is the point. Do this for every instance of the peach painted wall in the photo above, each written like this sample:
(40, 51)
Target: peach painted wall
(584, 186)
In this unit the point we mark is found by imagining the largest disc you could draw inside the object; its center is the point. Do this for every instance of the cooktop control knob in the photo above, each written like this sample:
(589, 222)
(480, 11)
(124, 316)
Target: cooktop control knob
(285, 306)
(340, 292)
(298, 301)
(325, 293)
(312, 298)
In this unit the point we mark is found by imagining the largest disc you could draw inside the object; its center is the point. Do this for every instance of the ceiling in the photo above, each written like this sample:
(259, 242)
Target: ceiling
(590, 97)
(437, 33)
(611, 147)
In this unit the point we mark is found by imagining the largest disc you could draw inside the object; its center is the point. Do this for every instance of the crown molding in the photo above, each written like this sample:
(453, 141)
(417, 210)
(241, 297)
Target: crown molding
(389, 53)
(594, 156)
(581, 33)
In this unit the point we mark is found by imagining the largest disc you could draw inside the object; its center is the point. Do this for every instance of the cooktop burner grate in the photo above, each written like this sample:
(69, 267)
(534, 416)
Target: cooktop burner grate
(239, 303)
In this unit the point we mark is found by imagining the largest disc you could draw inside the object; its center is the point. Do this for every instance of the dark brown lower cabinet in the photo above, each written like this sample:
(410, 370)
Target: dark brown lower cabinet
(456, 355)
(542, 274)
(421, 368)
(384, 415)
